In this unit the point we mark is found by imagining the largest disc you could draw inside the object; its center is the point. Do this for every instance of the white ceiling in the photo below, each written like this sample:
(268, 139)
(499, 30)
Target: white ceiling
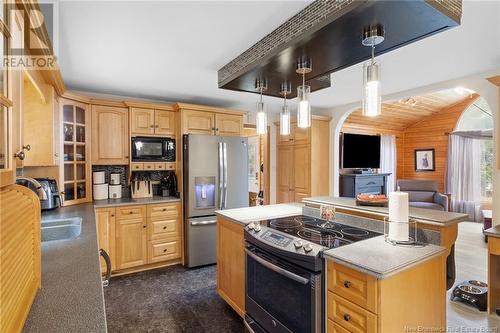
(171, 51)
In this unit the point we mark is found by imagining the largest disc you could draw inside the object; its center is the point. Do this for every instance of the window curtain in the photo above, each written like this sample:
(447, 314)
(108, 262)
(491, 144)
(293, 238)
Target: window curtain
(463, 179)
(388, 159)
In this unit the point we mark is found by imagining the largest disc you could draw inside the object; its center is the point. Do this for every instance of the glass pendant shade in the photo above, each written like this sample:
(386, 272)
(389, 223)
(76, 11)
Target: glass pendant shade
(261, 119)
(372, 101)
(285, 120)
(303, 107)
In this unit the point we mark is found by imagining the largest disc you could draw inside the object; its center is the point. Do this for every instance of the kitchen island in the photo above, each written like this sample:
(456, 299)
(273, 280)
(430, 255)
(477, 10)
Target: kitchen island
(370, 285)
(493, 268)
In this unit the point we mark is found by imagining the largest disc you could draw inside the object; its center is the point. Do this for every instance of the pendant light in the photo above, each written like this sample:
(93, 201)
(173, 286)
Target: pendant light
(303, 91)
(286, 88)
(372, 100)
(261, 117)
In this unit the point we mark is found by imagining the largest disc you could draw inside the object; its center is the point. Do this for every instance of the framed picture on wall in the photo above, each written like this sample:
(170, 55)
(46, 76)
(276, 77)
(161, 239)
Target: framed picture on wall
(424, 160)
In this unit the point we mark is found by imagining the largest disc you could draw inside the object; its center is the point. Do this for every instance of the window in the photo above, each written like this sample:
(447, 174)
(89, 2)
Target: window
(478, 118)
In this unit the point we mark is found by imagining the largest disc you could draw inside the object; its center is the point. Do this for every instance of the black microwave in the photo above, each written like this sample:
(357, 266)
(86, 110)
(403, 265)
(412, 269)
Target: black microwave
(153, 149)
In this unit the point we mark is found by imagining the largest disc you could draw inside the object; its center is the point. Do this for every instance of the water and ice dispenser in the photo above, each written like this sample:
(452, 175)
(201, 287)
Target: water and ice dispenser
(204, 192)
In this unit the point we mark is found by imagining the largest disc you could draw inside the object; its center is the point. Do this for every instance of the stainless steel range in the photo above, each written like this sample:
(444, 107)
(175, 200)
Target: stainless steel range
(284, 267)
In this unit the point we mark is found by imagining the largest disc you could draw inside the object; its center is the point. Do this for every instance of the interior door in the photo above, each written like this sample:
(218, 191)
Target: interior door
(164, 122)
(285, 174)
(235, 172)
(142, 120)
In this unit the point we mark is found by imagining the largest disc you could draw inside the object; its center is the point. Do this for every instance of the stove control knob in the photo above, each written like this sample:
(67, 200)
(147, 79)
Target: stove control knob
(251, 226)
(257, 228)
(308, 247)
(297, 244)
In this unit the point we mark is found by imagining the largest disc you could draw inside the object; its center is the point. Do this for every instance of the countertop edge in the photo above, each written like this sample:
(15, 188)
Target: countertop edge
(106, 203)
(367, 209)
(493, 231)
(386, 274)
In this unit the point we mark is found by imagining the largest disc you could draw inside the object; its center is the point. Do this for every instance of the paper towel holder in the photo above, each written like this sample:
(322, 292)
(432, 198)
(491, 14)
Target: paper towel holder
(412, 227)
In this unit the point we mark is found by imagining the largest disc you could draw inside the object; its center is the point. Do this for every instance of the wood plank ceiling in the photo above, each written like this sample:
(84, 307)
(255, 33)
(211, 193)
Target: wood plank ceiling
(398, 115)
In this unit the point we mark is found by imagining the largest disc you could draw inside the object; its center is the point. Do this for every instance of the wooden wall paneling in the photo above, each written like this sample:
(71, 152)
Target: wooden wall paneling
(432, 132)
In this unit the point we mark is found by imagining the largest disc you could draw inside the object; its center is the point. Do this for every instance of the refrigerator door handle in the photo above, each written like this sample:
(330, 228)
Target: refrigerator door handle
(221, 174)
(225, 174)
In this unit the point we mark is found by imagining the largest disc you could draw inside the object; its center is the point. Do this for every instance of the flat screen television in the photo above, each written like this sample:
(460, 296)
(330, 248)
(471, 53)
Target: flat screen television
(360, 151)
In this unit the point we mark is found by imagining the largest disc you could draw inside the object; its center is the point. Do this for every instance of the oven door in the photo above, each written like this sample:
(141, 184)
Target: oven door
(281, 297)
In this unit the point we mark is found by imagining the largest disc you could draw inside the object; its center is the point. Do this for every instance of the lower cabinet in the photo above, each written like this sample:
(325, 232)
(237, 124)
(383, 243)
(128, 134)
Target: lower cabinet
(231, 264)
(138, 235)
(105, 225)
(414, 298)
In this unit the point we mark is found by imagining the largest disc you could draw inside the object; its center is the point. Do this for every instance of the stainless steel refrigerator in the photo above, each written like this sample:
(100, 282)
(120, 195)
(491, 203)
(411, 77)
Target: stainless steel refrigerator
(215, 173)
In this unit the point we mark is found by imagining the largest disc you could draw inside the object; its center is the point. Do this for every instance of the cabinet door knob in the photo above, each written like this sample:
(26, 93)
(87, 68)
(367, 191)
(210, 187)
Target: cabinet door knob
(112, 215)
(347, 284)
(164, 228)
(152, 126)
(157, 126)
(131, 212)
(21, 155)
(164, 250)
(164, 209)
(144, 226)
(347, 317)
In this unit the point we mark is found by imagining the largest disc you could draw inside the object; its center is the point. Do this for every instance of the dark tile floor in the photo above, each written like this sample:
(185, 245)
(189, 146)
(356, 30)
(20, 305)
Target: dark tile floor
(172, 299)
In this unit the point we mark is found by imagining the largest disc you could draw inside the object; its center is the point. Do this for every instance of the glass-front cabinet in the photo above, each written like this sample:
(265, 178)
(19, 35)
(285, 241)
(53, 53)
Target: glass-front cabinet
(7, 168)
(76, 152)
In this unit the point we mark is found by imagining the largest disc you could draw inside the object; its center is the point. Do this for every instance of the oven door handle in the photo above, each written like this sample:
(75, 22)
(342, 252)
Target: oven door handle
(277, 269)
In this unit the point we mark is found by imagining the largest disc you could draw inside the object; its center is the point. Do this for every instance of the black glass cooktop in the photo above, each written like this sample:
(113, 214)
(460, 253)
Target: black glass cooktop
(326, 233)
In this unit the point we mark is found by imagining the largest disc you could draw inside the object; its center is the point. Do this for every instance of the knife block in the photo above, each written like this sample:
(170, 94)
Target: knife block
(141, 189)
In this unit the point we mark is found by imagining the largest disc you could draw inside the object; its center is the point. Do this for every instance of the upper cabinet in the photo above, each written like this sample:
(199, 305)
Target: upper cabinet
(76, 152)
(198, 122)
(197, 119)
(110, 138)
(152, 122)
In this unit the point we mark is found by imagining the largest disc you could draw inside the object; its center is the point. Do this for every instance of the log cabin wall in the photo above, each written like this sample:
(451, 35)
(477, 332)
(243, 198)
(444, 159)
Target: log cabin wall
(430, 132)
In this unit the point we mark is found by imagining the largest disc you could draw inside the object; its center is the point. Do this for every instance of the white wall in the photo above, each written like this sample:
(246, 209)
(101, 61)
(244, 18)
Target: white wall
(477, 83)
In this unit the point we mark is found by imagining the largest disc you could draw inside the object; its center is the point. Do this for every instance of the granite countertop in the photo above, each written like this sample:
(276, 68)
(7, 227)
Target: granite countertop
(71, 298)
(493, 231)
(130, 201)
(257, 213)
(422, 215)
(376, 257)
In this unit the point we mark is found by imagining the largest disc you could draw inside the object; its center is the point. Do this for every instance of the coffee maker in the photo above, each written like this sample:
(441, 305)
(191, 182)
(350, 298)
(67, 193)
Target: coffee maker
(54, 199)
(168, 185)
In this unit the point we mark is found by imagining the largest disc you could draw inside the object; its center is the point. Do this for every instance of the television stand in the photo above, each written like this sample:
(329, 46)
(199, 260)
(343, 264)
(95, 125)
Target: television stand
(353, 184)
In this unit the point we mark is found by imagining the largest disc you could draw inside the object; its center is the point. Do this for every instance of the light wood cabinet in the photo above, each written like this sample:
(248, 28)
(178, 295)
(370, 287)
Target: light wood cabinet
(359, 302)
(131, 245)
(165, 122)
(303, 162)
(199, 119)
(40, 124)
(110, 138)
(76, 166)
(20, 258)
(142, 121)
(231, 264)
(152, 122)
(106, 233)
(198, 122)
(228, 124)
(138, 236)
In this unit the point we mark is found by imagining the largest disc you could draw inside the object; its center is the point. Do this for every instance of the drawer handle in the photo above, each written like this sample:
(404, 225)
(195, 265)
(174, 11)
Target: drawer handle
(144, 226)
(131, 212)
(112, 215)
(164, 209)
(347, 284)
(347, 317)
(164, 228)
(371, 183)
(164, 250)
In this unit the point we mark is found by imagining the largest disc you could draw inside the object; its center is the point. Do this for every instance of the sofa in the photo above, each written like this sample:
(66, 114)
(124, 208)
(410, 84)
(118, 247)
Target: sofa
(423, 194)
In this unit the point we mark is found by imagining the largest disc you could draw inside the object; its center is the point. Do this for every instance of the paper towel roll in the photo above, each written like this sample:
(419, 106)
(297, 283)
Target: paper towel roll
(398, 216)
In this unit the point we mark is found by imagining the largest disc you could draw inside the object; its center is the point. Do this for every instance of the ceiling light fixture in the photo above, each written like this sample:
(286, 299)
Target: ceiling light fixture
(304, 66)
(286, 88)
(372, 100)
(261, 117)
